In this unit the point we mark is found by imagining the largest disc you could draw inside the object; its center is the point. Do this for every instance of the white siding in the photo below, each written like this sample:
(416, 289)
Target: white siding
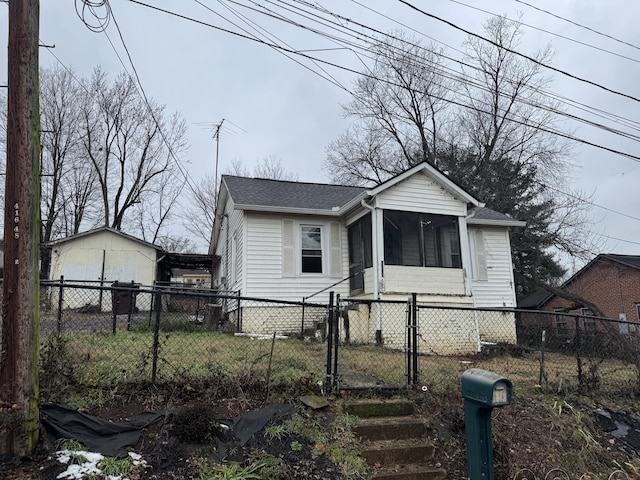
(231, 267)
(423, 280)
(264, 259)
(492, 278)
(419, 193)
(125, 260)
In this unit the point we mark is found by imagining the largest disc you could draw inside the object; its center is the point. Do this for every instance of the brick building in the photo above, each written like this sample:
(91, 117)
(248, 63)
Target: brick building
(611, 282)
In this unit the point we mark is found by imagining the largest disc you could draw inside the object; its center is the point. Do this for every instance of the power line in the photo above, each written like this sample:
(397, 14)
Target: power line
(103, 26)
(515, 52)
(575, 104)
(564, 37)
(580, 25)
(576, 197)
(466, 79)
(330, 78)
(523, 122)
(543, 129)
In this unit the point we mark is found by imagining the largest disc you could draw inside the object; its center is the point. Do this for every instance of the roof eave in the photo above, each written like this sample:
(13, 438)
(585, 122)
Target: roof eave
(496, 223)
(298, 211)
(87, 233)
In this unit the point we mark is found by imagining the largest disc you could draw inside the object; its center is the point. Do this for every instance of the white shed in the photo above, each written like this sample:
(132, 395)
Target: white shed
(102, 256)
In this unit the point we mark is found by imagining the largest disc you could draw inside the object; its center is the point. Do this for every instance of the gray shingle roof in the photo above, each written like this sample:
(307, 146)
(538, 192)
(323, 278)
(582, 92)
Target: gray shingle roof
(632, 261)
(536, 300)
(484, 214)
(284, 194)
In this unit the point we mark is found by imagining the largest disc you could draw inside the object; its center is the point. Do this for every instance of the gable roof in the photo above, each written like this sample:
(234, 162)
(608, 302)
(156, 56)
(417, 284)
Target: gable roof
(99, 230)
(283, 196)
(440, 177)
(280, 195)
(541, 297)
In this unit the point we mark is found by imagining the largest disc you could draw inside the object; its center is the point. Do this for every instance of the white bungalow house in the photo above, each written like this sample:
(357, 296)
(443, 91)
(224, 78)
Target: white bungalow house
(418, 232)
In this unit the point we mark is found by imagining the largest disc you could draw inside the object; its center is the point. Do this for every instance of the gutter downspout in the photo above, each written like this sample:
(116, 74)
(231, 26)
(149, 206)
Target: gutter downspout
(377, 268)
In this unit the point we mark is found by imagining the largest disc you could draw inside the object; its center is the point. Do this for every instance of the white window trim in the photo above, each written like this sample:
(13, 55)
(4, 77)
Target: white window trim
(478, 250)
(323, 249)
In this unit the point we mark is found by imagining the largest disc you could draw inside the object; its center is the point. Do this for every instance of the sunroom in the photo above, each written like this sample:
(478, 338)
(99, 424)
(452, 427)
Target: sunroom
(418, 252)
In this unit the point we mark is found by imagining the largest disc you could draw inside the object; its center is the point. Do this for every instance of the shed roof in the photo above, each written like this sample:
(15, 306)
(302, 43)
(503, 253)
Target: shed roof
(99, 230)
(487, 216)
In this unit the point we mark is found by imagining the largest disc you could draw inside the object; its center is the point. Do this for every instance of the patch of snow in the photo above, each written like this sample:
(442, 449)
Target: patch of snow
(90, 467)
(77, 471)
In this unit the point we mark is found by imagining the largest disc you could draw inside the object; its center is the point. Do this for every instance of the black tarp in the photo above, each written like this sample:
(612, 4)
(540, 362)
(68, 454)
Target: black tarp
(112, 438)
(108, 438)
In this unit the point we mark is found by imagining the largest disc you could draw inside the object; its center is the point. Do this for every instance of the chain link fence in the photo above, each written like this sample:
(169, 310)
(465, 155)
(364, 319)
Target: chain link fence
(431, 346)
(93, 335)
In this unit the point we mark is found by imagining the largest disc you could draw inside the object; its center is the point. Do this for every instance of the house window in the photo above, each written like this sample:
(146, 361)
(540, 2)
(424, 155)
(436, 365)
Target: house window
(562, 325)
(638, 311)
(589, 323)
(311, 243)
(422, 240)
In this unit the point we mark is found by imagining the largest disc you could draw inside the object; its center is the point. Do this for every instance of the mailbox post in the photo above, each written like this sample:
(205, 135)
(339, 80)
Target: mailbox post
(482, 392)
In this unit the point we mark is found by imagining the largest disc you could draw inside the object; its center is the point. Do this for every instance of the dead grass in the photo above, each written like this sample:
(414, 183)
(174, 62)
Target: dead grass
(99, 358)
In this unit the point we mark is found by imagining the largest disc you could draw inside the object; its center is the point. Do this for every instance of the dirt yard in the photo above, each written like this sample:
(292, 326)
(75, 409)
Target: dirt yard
(532, 437)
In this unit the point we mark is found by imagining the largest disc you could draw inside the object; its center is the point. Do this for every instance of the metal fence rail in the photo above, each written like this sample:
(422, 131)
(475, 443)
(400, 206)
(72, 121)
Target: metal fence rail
(100, 335)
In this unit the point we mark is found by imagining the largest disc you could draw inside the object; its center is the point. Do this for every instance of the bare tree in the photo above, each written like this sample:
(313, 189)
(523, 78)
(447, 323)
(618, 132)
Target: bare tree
(60, 96)
(152, 216)
(508, 114)
(132, 145)
(199, 212)
(399, 105)
(487, 127)
(362, 156)
(81, 203)
(176, 243)
(268, 167)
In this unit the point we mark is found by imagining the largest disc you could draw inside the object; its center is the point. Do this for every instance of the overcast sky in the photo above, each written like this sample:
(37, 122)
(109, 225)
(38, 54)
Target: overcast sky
(280, 105)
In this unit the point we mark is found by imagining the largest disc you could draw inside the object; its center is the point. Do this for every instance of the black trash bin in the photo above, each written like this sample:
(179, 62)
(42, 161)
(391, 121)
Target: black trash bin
(124, 301)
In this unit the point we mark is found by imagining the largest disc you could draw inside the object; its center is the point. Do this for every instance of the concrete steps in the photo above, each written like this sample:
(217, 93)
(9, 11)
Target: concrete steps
(395, 443)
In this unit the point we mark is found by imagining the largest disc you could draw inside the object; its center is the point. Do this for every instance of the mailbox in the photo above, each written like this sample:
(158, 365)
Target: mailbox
(482, 392)
(486, 388)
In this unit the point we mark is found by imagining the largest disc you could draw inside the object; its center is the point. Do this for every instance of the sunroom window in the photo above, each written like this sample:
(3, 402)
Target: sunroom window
(421, 239)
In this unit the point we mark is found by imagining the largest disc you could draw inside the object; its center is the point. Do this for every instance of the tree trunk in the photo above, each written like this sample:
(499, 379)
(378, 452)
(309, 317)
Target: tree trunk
(19, 416)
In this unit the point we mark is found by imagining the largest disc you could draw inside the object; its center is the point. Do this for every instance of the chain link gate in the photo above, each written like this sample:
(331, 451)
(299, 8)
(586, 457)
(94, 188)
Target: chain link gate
(357, 361)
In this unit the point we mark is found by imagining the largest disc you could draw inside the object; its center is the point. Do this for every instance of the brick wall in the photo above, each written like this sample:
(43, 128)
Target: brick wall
(613, 287)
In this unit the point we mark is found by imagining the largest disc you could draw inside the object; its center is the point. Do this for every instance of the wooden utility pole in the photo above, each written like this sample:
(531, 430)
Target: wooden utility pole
(19, 389)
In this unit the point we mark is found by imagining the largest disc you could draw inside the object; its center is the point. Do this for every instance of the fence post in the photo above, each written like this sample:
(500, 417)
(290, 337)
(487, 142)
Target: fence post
(414, 334)
(542, 349)
(328, 382)
(336, 339)
(239, 314)
(60, 300)
(578, 356)
(408, 311)
(130, 307)
(151, 306)
(304, 299)
(114, 306)
(157, 297)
